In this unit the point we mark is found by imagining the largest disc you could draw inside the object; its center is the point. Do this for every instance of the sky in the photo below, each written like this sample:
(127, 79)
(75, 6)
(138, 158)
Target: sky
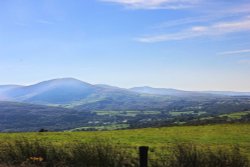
(183, 44)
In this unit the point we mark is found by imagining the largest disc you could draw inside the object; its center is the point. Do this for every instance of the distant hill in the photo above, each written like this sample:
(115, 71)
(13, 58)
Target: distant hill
(80, 104)
(228, 93)
(176, 92)
(168, 92)
(73, 93)
(57, 91)
(4, 88)
(29, 117)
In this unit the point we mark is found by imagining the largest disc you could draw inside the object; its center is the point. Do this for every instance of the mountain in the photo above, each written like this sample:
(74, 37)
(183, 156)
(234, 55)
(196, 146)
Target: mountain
(57, 91)
(73, 93)
(228, 93)
(176, 92)
(4, 88)
(158, 91)
(167, 91)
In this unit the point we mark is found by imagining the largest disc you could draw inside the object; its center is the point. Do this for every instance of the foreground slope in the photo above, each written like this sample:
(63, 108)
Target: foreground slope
(196, 146)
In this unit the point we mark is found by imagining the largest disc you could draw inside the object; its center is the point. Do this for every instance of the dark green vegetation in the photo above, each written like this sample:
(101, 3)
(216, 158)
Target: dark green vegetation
(191, 146)
(29, 117)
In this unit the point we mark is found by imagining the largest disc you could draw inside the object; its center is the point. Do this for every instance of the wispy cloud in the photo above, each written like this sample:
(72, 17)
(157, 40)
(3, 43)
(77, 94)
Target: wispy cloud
(244, 62)
(182, 21)
(156, 4)
(244, 8)
(235, 12)
(235, 52)
(218, 28)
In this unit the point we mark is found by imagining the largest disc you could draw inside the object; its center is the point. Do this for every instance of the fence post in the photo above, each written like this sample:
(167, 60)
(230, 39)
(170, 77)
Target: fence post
(143, 152)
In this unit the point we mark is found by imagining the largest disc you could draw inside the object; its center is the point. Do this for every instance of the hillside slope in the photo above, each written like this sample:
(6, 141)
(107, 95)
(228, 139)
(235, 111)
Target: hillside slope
(29, 117)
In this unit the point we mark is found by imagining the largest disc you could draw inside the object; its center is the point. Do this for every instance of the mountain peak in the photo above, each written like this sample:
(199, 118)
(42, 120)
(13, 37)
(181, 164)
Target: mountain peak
(69, 79)
(63, 81)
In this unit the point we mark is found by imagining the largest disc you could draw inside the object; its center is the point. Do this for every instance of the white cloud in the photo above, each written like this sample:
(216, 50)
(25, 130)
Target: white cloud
(182, 21)
(235, 52)
(230, 13)
(156, 4)
(244, 8)
(219, 28)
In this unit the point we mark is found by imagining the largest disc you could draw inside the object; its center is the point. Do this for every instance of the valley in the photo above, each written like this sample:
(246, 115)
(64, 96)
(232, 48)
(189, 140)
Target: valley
(70, 104)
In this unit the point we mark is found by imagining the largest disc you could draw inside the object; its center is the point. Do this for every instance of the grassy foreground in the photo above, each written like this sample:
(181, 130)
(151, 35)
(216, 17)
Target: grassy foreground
(221, 134)
(215, 137)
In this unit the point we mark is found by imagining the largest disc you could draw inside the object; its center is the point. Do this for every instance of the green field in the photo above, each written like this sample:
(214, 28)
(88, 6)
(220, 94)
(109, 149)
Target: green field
(175, 113)
(236, 115)
(53, 147)
(126, 113)
(224, 135)
(230, 116)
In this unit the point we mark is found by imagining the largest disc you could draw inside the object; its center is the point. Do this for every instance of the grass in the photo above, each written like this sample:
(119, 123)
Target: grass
(101, 153)
(204, 134)
(31, 153)
(224, 134)
(189, 155)
(214, 137)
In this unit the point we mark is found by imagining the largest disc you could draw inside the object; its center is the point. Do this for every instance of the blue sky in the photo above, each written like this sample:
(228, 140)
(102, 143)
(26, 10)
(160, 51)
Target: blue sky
(184, 44)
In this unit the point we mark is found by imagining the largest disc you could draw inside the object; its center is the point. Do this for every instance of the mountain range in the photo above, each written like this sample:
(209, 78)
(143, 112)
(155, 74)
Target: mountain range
(66, 91)
(67, 103)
